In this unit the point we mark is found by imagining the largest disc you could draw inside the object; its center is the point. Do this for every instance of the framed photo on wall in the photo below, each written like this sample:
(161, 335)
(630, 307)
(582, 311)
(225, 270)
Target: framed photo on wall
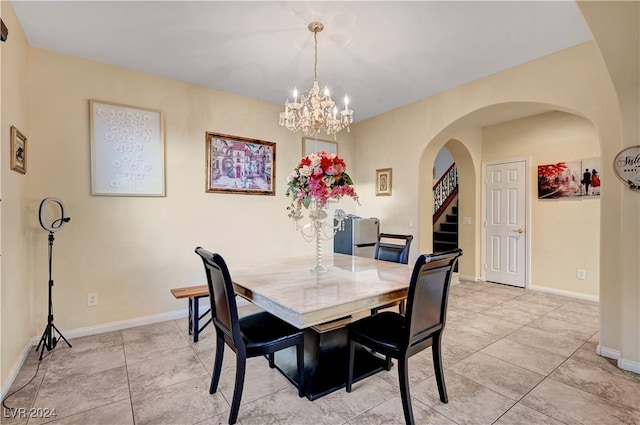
(311, 145)
(18, 151)
(127, 150)
(570, 179)
(627, 166)
(240, 165)
(383, 182)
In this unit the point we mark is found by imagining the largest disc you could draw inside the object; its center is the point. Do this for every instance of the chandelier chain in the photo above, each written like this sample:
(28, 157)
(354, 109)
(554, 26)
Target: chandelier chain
(315, 65)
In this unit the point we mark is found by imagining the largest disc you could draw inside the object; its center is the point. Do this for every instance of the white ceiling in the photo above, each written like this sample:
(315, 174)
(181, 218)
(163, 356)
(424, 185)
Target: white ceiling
(383, 54)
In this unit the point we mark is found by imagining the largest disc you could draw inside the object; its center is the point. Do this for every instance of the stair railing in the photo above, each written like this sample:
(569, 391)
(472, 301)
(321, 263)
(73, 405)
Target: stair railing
(445, 191)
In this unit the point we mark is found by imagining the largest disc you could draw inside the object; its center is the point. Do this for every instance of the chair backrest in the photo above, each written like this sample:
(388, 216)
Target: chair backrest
(394, 248)
(222, 297)
(428, 296)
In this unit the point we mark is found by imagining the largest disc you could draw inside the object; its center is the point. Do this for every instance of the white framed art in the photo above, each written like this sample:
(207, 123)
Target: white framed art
(127, 150)
(311, 145)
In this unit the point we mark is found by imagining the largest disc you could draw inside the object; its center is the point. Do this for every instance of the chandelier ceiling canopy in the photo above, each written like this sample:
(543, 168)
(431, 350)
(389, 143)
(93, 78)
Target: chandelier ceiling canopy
(314, 112)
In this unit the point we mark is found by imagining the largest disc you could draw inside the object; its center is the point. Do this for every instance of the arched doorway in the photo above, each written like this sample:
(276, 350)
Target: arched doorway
(466, 200)
(545, 135)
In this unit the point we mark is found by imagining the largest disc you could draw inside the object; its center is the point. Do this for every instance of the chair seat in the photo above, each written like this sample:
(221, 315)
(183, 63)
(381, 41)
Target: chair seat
(262, 329)
(382, 332)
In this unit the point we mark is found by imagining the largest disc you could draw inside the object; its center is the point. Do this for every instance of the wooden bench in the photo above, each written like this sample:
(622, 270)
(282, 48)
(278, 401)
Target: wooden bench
(194, 293)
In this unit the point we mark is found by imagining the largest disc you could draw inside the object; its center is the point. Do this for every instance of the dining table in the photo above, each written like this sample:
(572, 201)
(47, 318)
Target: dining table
(323, 304)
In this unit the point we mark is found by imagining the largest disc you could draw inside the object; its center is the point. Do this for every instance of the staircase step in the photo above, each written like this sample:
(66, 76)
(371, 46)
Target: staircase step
(452, 218)
(454, 210)
(441, 236)
(444, 246)
(449, 227)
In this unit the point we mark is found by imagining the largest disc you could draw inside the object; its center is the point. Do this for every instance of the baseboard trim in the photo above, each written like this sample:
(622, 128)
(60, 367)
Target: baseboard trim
(119, 325)
(132, 323)
(629, 365)
(624, 364)
(14, 372)
(564, 293)
(609, 353)
(469, 278)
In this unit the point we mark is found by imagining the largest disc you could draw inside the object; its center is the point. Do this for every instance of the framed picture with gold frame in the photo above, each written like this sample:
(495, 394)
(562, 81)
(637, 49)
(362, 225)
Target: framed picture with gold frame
(18, 151)
(311, 145)
(240, 165)
(383, 182)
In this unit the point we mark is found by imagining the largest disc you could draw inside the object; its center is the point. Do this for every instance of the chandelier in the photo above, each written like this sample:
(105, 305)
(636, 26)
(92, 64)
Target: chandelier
(315, 112)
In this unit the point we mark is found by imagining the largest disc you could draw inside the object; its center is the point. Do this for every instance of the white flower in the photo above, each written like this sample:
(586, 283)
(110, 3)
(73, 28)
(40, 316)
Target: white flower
(315, 160)
(306, 171)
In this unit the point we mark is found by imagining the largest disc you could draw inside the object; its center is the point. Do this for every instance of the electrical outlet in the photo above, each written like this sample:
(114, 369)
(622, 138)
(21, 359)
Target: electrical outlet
(92, 299)
(581, 274)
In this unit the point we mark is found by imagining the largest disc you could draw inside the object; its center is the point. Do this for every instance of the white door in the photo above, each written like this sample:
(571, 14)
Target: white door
(505, 223)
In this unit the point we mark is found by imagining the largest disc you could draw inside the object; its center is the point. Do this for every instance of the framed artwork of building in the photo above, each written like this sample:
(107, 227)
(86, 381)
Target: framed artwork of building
(240, 165)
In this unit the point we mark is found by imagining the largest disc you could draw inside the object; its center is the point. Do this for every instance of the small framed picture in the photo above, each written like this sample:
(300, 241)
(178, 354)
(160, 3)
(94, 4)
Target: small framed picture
(383, 182)
(18, 151)
(240, 165)
(311, 145)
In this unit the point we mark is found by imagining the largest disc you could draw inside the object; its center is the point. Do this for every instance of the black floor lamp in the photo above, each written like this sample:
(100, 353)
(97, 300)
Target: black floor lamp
(48, 339)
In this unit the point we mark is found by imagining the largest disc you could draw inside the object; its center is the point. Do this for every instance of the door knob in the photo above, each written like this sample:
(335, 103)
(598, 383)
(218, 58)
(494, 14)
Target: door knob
(521, 230)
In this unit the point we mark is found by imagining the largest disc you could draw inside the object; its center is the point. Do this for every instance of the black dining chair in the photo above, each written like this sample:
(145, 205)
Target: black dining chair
(400, 337)
(257, 334)
(395, 248)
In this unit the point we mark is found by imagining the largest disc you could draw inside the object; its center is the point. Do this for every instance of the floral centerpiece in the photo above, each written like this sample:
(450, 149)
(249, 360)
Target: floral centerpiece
(318, 178)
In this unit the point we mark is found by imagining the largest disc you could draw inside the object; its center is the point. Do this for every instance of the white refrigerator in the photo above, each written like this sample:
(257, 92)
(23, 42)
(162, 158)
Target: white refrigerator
(358, 238)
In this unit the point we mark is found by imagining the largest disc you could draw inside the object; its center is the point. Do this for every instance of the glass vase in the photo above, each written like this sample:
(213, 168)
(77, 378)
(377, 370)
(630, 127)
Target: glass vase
(318, 216)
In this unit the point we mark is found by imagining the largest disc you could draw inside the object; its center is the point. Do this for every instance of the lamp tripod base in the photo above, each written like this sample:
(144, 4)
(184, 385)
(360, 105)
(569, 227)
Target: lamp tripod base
(48, 339)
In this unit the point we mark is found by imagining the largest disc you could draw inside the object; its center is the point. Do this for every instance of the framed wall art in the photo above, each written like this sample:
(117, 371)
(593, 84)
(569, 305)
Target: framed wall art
(127, 150)
(383, 182)
(240, 165)
(627, 166)
(311, 145)
(570, 179)
(18, 151)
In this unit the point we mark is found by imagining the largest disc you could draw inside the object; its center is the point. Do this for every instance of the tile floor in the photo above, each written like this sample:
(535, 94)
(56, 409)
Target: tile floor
(511, 356)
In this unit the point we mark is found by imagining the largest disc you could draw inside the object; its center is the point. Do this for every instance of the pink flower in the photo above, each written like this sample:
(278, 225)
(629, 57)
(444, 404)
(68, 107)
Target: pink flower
(318, 177)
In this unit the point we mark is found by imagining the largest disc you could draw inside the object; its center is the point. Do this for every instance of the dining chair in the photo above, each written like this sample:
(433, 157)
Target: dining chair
(257, 334)
(395, 248)
(400, 337)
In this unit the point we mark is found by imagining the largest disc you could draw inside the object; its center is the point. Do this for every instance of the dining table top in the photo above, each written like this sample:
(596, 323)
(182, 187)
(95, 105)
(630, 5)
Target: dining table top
(288, 289)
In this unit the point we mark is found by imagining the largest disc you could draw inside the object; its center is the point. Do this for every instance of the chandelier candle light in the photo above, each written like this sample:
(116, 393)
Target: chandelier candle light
(314, 112)
(318, 178)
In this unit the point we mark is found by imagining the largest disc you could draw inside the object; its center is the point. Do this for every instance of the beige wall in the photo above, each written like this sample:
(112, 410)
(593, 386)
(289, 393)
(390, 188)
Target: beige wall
(576, 81)
(615, 26)
(132, 250)
(409, 138)
(16, 310)
(565, 234)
